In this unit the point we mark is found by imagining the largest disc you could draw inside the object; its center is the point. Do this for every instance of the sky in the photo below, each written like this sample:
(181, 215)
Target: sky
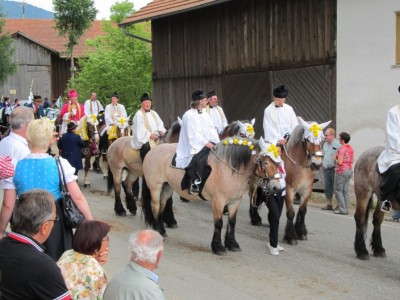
(103, 6)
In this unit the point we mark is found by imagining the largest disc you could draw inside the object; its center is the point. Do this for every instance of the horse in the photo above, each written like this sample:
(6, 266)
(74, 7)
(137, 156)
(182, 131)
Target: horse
(121, 156)
(366, 184)
(88, 131)
(302, 156)
(234, 162)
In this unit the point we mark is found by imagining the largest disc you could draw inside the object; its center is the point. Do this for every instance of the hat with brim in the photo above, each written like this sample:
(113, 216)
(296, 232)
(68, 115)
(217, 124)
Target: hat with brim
(71, 126)
(37, 98)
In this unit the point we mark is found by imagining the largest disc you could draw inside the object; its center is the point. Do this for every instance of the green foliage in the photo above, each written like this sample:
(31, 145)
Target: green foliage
(119, 64)
(73, 18)
(7, 66)
(120, 10)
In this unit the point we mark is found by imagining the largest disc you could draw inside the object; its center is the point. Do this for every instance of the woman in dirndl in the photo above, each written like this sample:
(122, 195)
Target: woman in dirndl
(39, 170)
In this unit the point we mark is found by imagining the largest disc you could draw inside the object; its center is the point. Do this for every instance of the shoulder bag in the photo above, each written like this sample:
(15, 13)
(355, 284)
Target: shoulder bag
(72, 215)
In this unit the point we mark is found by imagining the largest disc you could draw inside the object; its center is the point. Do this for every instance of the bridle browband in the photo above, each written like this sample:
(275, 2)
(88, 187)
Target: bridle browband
(308, 154)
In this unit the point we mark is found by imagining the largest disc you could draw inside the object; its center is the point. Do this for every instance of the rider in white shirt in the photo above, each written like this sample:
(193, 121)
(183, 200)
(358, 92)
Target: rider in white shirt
(92, 105)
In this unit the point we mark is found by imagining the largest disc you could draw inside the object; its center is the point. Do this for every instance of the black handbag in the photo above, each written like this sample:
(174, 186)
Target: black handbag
(72, 215)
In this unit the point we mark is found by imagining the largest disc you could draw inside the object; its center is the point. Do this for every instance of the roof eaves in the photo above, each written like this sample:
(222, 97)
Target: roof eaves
(34, 41)
(150, 17)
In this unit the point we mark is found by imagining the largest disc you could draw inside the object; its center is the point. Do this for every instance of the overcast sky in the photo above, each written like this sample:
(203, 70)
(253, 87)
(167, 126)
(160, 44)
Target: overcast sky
(103, 6)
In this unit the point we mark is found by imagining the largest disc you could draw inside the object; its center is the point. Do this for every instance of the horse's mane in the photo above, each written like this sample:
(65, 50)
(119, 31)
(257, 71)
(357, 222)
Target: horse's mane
(232, 129)
(296, 137)
(235, 155)
(172, 134)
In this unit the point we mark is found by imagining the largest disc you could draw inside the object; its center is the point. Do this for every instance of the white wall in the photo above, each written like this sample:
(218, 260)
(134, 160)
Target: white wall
(367, 77)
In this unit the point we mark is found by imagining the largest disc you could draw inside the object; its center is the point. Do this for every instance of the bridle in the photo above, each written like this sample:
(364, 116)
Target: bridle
(309, 155)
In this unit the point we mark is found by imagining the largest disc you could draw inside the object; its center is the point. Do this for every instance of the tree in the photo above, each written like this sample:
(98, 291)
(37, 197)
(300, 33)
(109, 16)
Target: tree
(73, 18)
(120, 64)
(7, 66)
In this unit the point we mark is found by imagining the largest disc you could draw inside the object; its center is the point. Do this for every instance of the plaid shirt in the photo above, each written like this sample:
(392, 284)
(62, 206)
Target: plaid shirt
(6, 167)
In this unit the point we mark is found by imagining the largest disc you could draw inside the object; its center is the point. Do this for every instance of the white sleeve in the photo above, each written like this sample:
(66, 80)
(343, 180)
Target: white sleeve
(68, 170)
(270, 133)
(87, 108)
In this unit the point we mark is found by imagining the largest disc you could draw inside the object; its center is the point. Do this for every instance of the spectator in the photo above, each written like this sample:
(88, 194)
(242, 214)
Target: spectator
(26, 272)
(82, 265)
(16, 103)
(6, 167)
(137, 281)
(70, 146)
(343, 173)
(395, 216)
(14, 145)
(46, 103)
(37, 106)
(330, 148)
(39, 170)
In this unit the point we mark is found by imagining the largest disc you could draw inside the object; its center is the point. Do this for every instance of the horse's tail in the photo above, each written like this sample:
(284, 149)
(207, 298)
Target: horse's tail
(110, 181)
(146, 204)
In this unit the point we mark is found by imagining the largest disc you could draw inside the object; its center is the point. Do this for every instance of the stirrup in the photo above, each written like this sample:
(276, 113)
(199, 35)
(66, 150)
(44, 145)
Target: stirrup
(386, 206)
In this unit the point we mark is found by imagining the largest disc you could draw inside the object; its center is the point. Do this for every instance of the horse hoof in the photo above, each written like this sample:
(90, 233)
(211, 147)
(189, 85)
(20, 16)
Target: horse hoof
(363, 256)
(121, 214)
(256, 223)
(172, 225)
(86, 185)
(105, 177)
(292, 242)
(220, 253)
(381, 254)
(235, 249)
(164, 235)
(133, 212)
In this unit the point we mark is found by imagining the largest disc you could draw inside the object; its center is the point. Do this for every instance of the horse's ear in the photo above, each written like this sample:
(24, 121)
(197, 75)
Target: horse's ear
(253, 121)
(303, 123)
(180, 121)
(324, 125)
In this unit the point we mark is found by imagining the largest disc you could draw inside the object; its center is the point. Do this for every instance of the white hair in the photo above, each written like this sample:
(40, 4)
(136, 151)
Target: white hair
(145, 245)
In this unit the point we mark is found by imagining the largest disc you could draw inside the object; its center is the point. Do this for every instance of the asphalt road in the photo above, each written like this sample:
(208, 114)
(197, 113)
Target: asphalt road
(323, 267)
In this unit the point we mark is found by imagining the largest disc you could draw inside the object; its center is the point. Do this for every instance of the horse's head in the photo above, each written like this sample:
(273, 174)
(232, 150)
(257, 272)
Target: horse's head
(101, 118)
(123, 126)
(313, 138)
(247, 129)
(242, 128)
(267, 167)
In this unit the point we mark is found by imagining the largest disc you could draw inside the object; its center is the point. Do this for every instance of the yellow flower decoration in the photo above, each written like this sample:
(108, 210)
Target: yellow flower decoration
(315, 129)
(225, 142)
(93, 117)
(245, 143)
(250, 130)
(235, 141)
(251, 147)
(122, 121)
(272, 149)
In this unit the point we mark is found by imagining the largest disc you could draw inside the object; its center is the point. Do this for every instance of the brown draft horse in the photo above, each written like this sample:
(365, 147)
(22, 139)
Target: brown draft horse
(234, 162)
(302, 156)
(121, 156)
(366, 184)
(88, 130)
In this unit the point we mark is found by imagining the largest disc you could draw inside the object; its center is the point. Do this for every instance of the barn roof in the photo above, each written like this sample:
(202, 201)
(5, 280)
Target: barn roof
(43, 33)
(164, 8)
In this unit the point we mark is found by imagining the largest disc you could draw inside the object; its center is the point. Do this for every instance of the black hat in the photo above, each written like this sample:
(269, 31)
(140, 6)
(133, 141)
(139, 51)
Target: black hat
(37, 97)
(145, 97)
(210, 94)
(280, 91)
(198, 95)
(114, 95)
(71, 126)
(399, 88)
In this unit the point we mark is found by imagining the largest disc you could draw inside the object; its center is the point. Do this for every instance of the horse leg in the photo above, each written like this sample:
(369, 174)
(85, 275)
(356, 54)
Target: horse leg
(169, 216)
(114, 180)
(300, 225)
(216, 244)
(290, 233)
(364, 201)
(376, 238)
(130, 200)
(158, 206)
(86, 180)
(230, 240)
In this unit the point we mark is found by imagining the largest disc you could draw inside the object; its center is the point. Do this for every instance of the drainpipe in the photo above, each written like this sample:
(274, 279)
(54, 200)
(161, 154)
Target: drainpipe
(123, 27)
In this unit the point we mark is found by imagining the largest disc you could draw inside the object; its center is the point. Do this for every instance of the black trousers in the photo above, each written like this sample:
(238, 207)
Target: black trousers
(275, 205)
(390, 183)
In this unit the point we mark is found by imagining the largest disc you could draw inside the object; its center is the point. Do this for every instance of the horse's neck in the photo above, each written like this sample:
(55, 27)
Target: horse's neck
(297, 153)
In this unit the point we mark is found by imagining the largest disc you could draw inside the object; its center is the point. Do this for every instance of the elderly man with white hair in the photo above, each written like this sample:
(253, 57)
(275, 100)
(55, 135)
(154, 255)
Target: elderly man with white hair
(138, 281)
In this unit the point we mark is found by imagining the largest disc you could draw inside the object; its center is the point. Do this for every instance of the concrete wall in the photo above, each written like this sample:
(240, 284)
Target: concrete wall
(367, 77)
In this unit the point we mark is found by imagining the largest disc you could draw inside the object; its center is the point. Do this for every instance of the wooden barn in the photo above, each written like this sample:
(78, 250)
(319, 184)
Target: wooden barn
(41, 59)
(242, 49)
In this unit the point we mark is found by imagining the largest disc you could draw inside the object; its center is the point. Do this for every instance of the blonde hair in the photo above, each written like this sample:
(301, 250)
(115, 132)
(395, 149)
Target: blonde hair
(40, 133)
